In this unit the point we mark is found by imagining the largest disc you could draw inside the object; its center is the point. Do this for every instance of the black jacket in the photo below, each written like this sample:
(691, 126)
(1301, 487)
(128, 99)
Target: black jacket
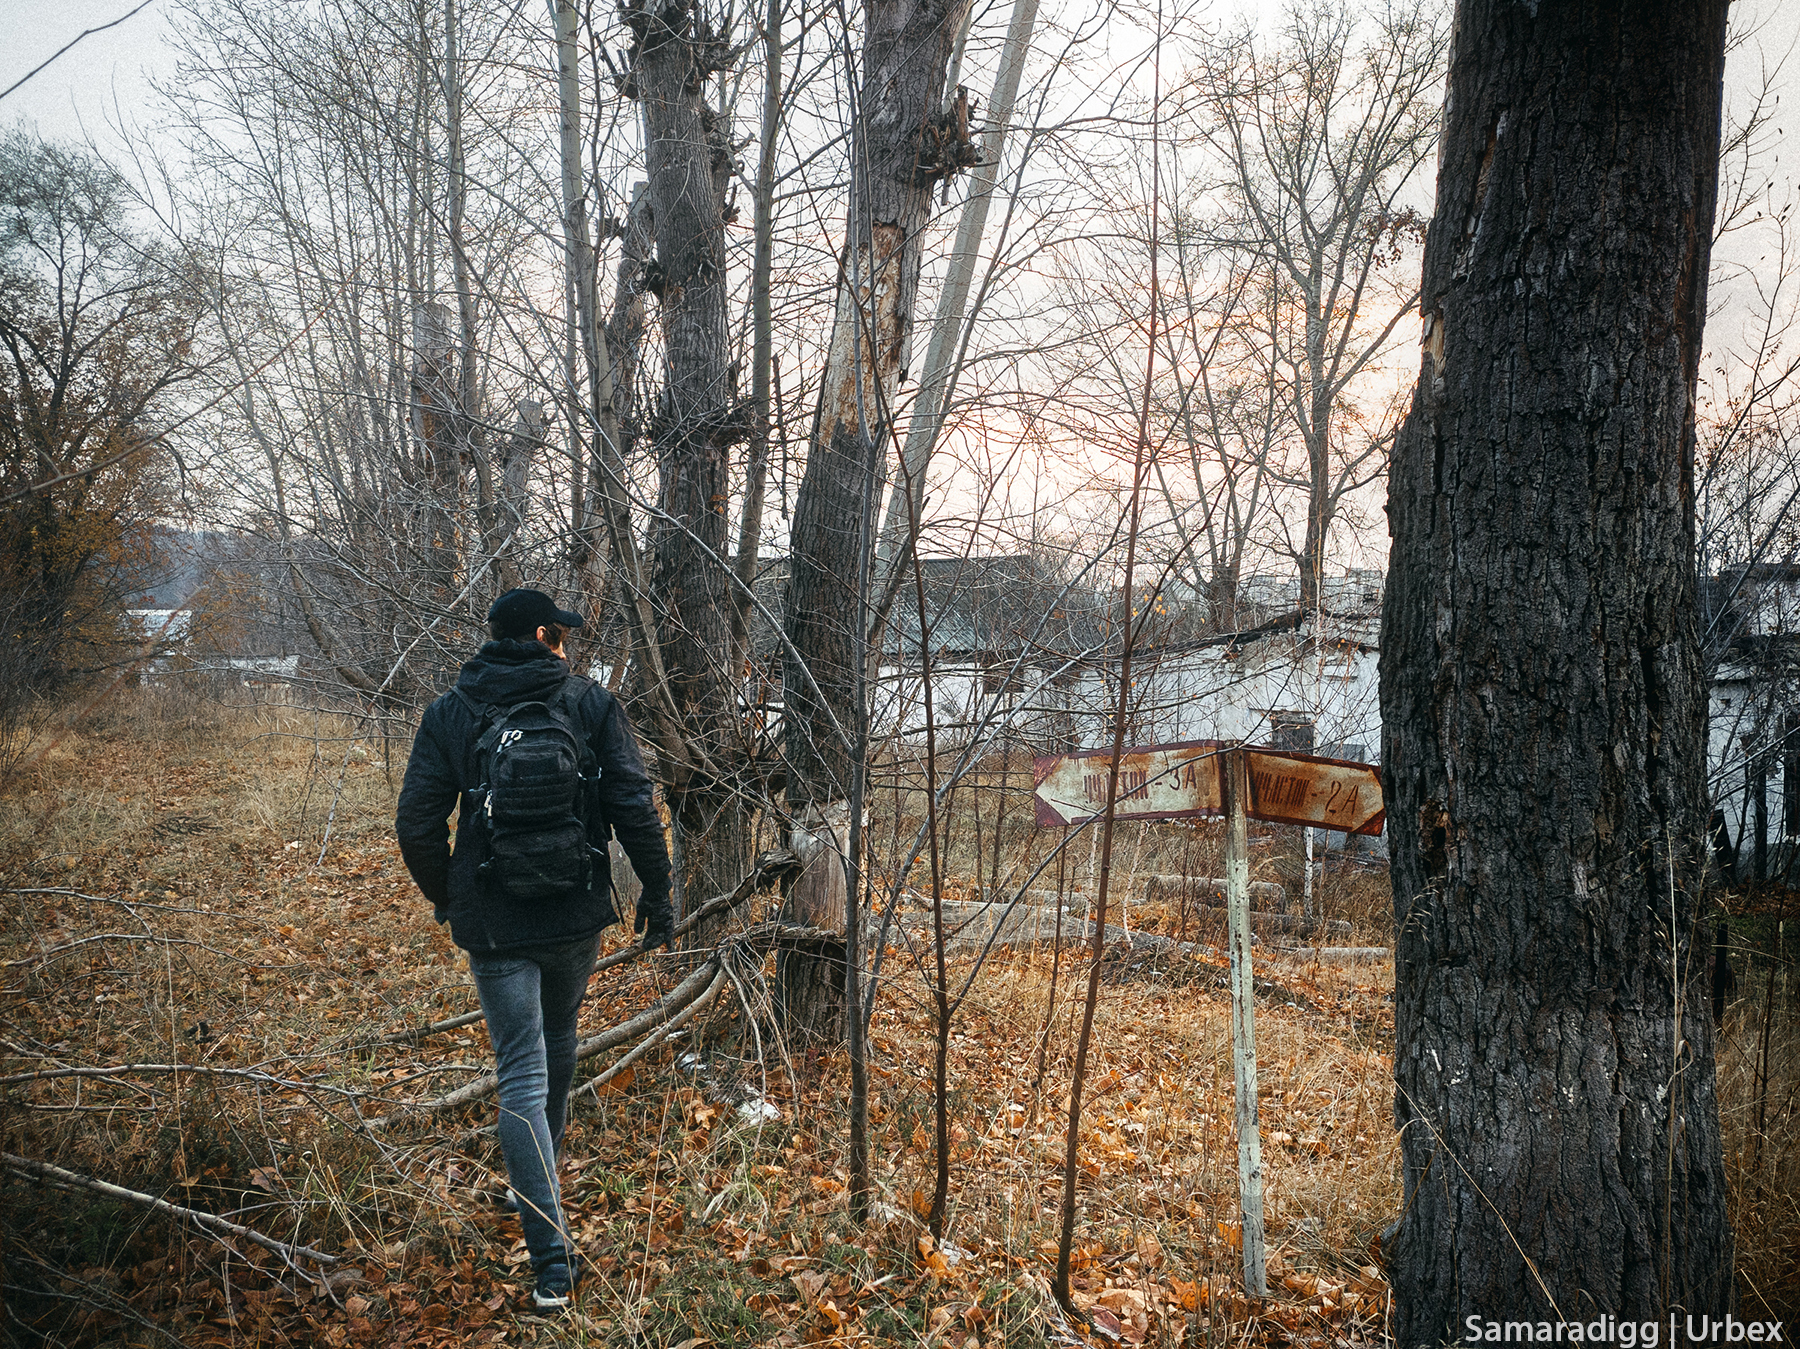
(442, 769)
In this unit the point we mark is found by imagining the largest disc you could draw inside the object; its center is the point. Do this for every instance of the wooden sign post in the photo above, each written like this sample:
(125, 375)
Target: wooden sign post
(1234, 783)
(1166, 782)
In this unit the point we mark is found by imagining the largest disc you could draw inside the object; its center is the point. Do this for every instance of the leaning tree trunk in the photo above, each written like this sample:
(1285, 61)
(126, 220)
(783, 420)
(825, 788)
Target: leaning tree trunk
(903, 144)
(696, 421)
(1541, 686)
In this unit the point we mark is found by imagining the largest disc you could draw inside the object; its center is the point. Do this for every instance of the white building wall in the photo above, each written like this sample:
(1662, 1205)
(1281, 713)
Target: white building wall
(1746, 719)
(1214, 693)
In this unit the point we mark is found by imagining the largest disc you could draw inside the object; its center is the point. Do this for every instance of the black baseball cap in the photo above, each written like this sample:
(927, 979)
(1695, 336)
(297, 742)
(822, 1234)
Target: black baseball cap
(520, 613)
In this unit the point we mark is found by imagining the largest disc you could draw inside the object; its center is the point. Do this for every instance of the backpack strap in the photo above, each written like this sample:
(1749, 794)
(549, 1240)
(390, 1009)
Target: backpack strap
(482, 712)
(568, 702)
(574, 688)
(474, 797)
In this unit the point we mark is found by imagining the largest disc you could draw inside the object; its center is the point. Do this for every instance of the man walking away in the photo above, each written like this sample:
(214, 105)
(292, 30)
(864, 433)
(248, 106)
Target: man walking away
(543, 766)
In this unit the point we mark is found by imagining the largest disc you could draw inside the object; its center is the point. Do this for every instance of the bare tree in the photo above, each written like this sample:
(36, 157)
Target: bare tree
(1317, 139)
(381, 416)
(697, 418)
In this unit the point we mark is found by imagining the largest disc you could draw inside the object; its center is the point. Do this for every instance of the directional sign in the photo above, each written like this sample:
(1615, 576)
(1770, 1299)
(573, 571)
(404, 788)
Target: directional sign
(1305, 789)
(1169, 782)
(1156, 782)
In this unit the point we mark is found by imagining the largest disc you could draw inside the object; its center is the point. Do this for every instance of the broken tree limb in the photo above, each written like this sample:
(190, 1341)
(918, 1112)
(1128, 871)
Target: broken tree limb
(119, 1071)
(1288, 924)
(662, 1033)
(418, 1033)
(1164, 887)
(771, 867)
(154, 938)
(44, 1171)
(653, 1019)
(971, 923)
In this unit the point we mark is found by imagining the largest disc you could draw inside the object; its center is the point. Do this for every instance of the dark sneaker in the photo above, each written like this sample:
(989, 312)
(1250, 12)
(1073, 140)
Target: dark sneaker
(555, 1288)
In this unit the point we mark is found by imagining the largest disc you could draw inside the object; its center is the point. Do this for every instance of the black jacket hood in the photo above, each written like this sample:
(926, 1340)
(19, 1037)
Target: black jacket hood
(512, 671)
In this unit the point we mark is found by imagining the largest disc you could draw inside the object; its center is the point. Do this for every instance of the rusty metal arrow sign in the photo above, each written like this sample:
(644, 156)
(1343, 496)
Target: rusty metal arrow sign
(1176, 781)
(1156, 782)
(1305, 789)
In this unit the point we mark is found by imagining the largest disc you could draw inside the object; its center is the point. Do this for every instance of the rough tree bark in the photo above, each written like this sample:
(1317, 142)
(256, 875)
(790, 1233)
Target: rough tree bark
(762, 353)
(695, 422)
(604, 474)
(1541, 685)
(904, 142)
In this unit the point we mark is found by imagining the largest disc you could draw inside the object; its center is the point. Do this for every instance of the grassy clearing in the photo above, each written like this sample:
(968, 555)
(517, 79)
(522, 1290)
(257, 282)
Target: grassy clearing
(218, 892)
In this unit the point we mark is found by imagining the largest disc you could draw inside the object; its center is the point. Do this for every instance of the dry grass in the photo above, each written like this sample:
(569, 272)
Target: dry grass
(227, 943)
(1759, 1098)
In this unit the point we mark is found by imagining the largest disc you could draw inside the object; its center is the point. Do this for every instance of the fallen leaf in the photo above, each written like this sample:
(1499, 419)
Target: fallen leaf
(615, 1085)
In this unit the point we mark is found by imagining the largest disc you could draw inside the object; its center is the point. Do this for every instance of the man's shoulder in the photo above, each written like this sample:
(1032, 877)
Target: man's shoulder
(450, 701)
(589, 697)
(451, 716)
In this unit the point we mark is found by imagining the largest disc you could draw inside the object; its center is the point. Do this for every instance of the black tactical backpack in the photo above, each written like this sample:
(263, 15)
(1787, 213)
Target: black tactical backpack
(536, 779)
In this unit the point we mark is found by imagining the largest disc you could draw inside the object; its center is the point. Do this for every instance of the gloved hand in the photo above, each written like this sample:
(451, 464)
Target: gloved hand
(655, 926)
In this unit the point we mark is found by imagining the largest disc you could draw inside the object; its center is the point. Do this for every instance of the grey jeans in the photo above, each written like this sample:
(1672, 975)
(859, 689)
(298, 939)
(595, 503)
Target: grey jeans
(530, 998)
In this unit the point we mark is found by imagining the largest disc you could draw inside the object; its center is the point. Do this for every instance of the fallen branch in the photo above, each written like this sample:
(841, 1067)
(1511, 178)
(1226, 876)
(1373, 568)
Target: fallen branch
(157, 938)
(121, 1070)
(661, 1034)
(1289, 924)
(1164, 888)
(418, 1033)
(114, 899)
(44, 1171)
(777, 864)
(770, 936)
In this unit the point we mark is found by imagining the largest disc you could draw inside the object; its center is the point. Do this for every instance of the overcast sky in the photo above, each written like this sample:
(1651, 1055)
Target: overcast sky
(78, 88)
(104, 73)
(105, 79)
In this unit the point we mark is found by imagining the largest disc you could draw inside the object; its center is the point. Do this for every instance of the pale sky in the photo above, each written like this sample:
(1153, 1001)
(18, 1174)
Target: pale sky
(104, 73)
(79, 89)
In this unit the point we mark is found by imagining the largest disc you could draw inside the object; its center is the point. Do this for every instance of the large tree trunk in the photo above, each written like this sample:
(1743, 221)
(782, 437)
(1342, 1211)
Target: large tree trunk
(903, 144)
(1541, 686)
(695, 422)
